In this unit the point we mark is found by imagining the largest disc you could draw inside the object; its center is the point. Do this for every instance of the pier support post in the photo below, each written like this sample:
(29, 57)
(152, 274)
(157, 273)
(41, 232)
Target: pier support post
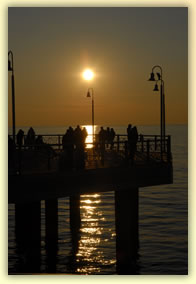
(28, 235)
(75, 220)
(127, 235)
(75, 223)
(51, 213)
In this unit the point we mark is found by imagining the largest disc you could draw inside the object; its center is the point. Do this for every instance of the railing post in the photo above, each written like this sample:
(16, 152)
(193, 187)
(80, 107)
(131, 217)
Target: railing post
(142, 141)
(155, 142)
(118, 139)
(126, 152)
(49, 166)
(168, 148)
(59, 141)
(161, 145)
(148, 150)
(19, 160)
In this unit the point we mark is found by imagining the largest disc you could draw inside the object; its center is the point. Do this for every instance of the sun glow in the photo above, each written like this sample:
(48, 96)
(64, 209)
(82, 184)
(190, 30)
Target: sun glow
(89, 138)
(88, 74)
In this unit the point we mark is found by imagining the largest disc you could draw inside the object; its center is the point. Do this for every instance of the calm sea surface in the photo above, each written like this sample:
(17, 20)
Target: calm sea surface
(163, 222)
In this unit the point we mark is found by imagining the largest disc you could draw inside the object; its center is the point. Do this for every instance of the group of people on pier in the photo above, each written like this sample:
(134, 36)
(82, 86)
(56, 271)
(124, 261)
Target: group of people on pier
(74, 144)
(30, 140)
(106, 137)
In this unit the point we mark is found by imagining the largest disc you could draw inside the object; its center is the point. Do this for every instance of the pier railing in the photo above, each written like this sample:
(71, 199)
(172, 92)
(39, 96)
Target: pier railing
(154, 141)
(149, 149)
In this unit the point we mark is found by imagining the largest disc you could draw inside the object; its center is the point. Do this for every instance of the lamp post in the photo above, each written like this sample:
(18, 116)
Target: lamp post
(162, 102)
(11, 68)
(91, 95)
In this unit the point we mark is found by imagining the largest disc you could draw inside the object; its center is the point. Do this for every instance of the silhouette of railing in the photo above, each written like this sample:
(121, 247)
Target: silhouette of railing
(47, 155)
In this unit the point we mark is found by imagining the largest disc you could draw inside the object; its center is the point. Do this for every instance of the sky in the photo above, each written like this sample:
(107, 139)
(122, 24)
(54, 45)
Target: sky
(52, 47)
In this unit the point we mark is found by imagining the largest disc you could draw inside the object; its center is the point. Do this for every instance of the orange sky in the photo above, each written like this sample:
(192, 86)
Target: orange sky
(52, 46)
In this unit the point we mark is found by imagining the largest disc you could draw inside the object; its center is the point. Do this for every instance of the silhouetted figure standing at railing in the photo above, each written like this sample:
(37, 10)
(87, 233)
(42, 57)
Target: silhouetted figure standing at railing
(84, 135)
(39, 142)
(112, 136)
(129, 133)
(129, 136)
(133, 143)
(19, 138)
(71, 133)
(30, 139)
(79, 142)
(102, 139)
(64, 141)
(107, 136)
(68, 147)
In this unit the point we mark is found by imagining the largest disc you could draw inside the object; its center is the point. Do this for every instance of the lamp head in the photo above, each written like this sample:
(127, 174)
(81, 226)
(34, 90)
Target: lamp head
(156, 88)
(151, 77)
(9, 66)
(88, 94)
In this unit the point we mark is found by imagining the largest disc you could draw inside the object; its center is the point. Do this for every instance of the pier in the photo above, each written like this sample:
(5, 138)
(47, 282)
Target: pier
(39, 175)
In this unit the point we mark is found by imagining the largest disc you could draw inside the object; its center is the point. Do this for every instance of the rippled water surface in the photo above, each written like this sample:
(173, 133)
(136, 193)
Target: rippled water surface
(163, 224)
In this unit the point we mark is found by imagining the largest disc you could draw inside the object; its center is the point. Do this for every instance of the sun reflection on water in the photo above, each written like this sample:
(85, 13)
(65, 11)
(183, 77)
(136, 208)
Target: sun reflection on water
(90, 247)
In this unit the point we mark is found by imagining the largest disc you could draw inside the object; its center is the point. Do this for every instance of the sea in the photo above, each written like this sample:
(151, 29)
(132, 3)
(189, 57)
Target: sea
(163, 221)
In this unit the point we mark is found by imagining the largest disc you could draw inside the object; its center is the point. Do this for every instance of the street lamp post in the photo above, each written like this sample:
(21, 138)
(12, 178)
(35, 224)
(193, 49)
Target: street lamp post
(91, 95)
(162, 102)
(11, 68)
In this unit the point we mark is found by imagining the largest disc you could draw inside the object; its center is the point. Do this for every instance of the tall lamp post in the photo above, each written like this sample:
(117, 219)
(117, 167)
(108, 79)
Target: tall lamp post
(162, 101)
(88, 75)
(91, 95)
(11, 68)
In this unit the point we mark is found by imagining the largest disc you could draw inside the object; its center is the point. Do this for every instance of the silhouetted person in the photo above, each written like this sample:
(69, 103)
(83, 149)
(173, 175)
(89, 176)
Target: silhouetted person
(19, 138)
(129, 136)
(107, 136)
(71, 132)
(84, 135)
(129, 132)
(102, 138)
(80, 154)
(68, 147)
(39, 142)
(30, 140)
(77, 135)
(133, 143)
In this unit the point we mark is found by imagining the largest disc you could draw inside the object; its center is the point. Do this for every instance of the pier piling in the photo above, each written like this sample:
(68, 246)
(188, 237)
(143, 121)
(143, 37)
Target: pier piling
(51, 213)
(127, 237)
(28, 235)
(75, 219)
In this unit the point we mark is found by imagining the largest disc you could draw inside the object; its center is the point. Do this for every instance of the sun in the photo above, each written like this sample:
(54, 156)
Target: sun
(88, 74)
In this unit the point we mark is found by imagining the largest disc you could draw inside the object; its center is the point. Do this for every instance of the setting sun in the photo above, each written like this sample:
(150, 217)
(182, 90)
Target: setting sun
(88, 74)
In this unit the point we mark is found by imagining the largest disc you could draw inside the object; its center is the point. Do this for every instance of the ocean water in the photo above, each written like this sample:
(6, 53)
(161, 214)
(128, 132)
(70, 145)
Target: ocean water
(163, 222)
